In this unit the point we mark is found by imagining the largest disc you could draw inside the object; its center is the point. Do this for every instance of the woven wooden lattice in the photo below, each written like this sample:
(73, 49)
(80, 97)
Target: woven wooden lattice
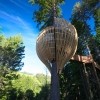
(66, 43)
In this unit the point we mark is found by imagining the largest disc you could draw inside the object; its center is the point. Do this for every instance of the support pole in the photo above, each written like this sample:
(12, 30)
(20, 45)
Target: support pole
(96, 78)
(86, 84)
(55, 92)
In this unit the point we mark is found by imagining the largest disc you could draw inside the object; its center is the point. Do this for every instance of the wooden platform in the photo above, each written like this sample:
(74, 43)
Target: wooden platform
(85, 59)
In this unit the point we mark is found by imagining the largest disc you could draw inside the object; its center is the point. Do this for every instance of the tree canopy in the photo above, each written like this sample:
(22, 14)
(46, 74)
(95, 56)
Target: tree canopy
(11, 52)
(45, 13)
(79, 80)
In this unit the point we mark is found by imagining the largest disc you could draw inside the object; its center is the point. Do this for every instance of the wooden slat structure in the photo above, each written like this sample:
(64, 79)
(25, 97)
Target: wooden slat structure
(85, 59)
(60, 40)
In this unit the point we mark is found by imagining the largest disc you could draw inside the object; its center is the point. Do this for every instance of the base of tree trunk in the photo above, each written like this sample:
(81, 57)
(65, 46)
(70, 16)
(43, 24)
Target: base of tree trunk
(55, 92)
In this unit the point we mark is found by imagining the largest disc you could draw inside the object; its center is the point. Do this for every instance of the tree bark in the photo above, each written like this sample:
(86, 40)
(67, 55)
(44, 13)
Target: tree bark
(96, 78)
(86, 84)
(55, 91)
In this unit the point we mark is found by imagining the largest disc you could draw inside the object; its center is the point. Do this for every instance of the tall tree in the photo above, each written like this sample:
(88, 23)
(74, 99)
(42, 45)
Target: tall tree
(94, 8)
(79, 19)
(71, 82)
(44, 15)
(78, 71)
(11, 54)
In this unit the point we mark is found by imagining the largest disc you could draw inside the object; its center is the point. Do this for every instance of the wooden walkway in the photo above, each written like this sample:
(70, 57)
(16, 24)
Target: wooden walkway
(85, 59)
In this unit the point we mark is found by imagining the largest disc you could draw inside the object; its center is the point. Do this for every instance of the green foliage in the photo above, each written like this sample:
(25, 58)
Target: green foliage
(11, 52)
(44, 93)
(79, 19)
(14, 94)
(92, 4)
(15, 86)
(25, 87)
(97, 24)
(6, 76)
(35, 87)
(82, 12)
(94, 8)
(25, 82)
(43, 79)
(45, 14)
(70, 82)
(78, 82)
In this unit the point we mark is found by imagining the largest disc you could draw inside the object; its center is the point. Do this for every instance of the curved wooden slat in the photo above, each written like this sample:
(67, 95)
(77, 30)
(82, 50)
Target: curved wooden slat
(60, 40)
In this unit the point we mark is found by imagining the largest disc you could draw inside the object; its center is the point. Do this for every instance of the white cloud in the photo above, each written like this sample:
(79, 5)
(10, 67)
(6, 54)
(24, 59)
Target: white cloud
(21, 4)
(32, 64)
(16, 3)
(15, 22)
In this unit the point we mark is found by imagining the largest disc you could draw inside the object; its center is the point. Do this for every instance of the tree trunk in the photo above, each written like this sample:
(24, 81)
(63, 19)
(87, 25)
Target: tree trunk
(55, 92)
(96, 78)
(86, 84)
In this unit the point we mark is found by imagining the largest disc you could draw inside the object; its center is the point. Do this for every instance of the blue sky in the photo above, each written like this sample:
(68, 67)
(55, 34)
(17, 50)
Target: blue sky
(16, 18)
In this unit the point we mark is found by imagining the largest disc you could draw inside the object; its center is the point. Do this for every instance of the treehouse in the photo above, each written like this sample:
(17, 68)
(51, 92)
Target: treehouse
(57, 42)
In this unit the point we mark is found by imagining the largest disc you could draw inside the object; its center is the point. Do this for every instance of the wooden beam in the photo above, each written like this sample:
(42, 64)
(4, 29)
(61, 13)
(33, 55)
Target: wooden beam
(85, 59)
